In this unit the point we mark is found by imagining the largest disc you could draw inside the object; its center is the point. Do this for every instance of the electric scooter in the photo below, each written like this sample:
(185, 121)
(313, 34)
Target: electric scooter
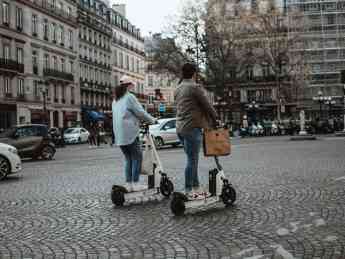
(220, 190)
(159, 184)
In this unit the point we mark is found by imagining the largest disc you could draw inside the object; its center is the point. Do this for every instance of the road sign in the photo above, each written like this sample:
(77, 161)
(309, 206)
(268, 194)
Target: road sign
(161, 107)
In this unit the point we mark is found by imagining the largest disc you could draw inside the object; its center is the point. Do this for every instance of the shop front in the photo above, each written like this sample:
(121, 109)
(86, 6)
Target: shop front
(8, 115)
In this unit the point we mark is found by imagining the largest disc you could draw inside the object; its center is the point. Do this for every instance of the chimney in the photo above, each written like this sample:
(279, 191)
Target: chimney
(120, 8)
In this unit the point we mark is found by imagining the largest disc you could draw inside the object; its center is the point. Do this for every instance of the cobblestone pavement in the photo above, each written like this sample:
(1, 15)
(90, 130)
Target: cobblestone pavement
(290, 205)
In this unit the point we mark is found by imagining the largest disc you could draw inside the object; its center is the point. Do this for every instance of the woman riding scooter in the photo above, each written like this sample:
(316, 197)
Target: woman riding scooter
(127, 113)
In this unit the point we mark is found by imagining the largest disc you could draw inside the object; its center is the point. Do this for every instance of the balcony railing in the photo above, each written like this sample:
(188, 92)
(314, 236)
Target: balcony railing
(58, 74)
(9, 64)
(54, 10)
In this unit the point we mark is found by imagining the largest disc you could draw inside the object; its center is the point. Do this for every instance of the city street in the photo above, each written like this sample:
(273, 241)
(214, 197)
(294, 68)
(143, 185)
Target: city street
(290, 205)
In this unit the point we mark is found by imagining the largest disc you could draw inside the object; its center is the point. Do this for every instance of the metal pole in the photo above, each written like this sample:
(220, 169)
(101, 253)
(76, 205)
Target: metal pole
(45, 107)
(320, 109)
(197, 52)
(344, 106)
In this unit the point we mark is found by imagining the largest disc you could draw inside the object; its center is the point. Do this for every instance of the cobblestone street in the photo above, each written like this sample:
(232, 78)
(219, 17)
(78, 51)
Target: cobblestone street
(290, 205)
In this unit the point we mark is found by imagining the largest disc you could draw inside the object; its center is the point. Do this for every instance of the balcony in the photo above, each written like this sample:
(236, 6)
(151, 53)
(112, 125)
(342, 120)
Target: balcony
(11, 65)
(55, 74)
(49, 9)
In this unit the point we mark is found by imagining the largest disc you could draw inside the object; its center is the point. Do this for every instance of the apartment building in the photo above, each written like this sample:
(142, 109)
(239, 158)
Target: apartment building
(324, 47)
(128, 51)
(95, 36)
(38, 60)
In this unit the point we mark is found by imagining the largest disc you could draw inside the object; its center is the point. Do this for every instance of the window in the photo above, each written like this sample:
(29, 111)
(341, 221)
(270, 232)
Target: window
(46, 29)
(7, 87)
(72, 95)
(62, 35)
(115, 57)
(71, 65)
(127, 62)
(69, 11)
(35, 62)
(55, 92)
(36, 91)
(46, 61)
(121, 60)
(5, 13)
(70, 38)
(19, 18)
(150, 80)
(6, 52)
(20, 86)
(20, 55)
(138, 66)
(34, 23)
(63, 67)
(55, 64)
(54, 31)
(63, 93)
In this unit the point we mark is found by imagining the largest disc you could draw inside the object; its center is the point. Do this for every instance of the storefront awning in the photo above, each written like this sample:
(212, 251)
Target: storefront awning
(95, 116)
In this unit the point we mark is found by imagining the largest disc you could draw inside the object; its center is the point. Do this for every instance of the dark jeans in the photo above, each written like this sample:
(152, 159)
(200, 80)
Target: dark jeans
(134, 156)
(191, 142)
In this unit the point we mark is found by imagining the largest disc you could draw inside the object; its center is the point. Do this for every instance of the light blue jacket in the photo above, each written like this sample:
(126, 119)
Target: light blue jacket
(127, 113)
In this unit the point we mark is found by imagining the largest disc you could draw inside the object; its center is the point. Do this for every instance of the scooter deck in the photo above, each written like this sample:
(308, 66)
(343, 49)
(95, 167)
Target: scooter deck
(201, 202)
(143, 196)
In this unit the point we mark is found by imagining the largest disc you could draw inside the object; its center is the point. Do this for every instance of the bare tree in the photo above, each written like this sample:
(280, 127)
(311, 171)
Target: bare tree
(278, 39)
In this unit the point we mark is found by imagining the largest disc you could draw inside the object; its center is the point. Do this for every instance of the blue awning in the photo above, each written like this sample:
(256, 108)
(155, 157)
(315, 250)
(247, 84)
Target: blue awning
(96, 116)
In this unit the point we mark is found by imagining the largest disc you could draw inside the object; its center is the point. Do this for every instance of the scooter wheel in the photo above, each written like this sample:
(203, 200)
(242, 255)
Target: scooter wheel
(166, 187)
(177, 205)
(118, 197)
(228, 195)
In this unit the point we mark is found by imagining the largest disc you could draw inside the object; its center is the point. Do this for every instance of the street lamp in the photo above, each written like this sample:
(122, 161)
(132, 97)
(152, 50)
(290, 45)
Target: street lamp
(344, 106)
(329, 101)
(319, 98)
(44, 91)
(253, 106)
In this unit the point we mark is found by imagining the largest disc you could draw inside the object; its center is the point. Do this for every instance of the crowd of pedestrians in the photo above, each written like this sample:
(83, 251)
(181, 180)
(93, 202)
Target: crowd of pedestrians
(267, 127)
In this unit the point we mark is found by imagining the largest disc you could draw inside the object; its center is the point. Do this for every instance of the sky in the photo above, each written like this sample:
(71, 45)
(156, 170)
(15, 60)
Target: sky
(150, 15)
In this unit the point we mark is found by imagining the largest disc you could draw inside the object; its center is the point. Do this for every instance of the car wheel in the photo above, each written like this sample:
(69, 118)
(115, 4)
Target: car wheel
(159, 142)
(47, 153)
(5, 167)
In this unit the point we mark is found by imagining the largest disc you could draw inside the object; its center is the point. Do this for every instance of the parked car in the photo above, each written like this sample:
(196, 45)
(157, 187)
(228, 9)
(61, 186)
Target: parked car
(10, 162)
(164, 133)
(31, 141)
(76, 135)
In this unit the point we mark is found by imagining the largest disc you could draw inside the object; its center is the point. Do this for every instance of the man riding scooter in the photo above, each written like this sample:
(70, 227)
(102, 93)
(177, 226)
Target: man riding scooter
(194, 113)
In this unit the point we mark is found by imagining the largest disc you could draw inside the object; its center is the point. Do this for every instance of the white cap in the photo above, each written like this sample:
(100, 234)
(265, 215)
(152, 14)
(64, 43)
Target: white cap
(126, 80)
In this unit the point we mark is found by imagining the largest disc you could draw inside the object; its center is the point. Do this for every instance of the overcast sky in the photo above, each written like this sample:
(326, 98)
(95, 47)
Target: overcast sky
(150, 15)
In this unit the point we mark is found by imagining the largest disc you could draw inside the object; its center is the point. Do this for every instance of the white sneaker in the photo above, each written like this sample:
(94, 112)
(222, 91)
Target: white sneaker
(138, 187)
(198, 193)
(128, 186)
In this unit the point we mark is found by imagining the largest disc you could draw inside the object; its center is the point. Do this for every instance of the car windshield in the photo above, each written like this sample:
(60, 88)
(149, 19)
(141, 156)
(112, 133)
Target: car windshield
(71, 131)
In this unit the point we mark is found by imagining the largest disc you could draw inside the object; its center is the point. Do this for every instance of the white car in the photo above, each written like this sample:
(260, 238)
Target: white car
(164, 132)
(75, 135)
(10, 162)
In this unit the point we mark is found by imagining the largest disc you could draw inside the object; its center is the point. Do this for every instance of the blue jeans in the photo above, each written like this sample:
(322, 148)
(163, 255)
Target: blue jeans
(134, 156)
(191, 142)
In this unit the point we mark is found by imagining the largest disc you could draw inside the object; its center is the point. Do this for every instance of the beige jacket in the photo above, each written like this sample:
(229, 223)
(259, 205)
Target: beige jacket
(193, 108)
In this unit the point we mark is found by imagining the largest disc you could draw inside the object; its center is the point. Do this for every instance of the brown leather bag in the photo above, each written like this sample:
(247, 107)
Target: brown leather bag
(216, 142)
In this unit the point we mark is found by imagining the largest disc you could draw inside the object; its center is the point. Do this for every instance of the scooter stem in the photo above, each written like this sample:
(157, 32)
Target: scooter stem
(219, 167)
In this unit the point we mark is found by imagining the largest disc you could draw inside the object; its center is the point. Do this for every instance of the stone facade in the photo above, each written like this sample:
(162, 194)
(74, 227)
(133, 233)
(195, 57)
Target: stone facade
(38, 62)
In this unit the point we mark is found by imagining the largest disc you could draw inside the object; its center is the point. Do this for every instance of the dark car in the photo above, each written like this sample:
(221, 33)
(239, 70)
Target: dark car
(31, 141)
